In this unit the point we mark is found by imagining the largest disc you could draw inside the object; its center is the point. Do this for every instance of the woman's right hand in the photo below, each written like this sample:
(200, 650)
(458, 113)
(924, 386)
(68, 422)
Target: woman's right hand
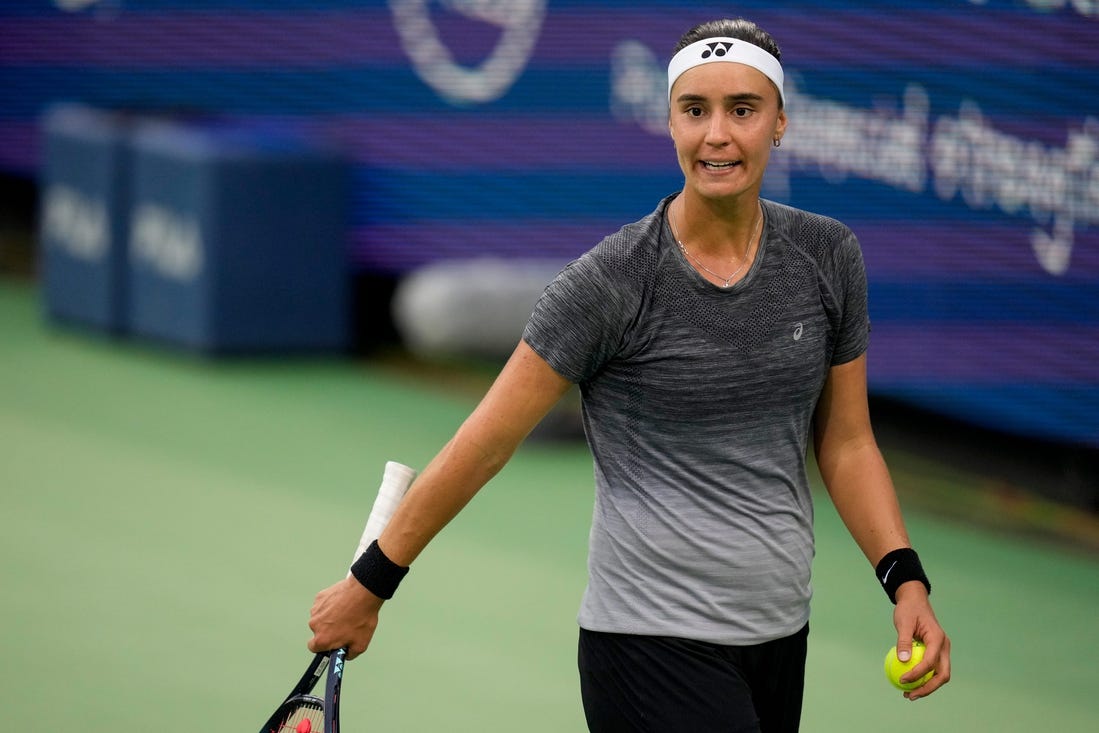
(344, 615)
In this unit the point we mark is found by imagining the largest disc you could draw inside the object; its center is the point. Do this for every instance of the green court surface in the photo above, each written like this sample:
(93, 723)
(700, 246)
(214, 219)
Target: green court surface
(167, 520)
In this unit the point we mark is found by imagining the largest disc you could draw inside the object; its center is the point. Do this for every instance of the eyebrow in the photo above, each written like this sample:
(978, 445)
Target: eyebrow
(742, 97)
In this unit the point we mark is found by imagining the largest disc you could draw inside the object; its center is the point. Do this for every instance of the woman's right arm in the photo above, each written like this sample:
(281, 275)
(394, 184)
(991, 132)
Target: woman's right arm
(345, 614)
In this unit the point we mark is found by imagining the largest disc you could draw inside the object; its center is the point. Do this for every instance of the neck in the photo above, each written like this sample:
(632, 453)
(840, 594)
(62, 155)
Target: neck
(719, 273)
(720, 232)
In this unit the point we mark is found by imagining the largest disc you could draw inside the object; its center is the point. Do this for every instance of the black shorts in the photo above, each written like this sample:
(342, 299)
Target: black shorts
(654, 684)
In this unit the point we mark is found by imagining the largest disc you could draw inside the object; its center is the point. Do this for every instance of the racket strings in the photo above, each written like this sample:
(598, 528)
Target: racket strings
(306, 717)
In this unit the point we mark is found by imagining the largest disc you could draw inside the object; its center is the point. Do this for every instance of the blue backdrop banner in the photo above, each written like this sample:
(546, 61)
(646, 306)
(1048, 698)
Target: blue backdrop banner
(958, 138)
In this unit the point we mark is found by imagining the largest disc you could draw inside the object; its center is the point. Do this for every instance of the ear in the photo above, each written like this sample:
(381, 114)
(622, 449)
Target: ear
(780, 124)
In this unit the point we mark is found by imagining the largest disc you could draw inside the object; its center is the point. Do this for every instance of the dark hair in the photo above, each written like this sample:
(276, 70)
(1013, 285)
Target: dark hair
(739, 28)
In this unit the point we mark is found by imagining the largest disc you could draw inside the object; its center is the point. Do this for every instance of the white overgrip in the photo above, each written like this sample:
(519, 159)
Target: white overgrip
(395, 482)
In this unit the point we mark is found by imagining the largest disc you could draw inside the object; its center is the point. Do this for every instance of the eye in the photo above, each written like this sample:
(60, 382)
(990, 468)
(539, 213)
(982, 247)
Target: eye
(742, 111)
(693, 111)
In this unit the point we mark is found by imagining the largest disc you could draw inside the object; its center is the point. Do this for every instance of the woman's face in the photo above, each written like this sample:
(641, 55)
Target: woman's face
(724, 119)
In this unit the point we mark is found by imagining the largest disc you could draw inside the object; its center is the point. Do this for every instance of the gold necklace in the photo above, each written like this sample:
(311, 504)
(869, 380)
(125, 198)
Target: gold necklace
(727, 281)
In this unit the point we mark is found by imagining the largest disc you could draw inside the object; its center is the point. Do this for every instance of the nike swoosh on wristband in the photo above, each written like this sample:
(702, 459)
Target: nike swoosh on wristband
(885, 577)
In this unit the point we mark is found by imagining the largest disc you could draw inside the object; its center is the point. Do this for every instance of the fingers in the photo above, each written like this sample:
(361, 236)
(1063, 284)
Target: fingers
(355, 645)
(904, 650)
(355, 650)
(316, 646)
(319, 623)
(937, 659)
(343, 615)
(915, 621)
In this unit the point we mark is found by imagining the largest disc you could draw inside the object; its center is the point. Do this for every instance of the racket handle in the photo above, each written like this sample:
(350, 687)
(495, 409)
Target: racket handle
(395, 482)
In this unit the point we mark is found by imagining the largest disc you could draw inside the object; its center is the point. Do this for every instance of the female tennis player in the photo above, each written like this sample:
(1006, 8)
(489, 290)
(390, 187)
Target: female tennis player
(715, 342)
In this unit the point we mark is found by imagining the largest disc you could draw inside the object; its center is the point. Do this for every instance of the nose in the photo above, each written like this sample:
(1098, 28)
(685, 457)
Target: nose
(718, 132)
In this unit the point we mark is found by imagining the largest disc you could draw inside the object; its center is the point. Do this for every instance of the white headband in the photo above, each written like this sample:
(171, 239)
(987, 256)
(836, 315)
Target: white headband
(709, 50)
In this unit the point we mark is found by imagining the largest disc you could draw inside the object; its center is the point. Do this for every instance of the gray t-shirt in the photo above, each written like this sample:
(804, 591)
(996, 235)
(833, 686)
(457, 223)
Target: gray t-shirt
(697, 405)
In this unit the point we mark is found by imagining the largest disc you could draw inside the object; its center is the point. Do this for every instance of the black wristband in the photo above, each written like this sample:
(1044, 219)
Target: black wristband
(377, 573)
(898, 567)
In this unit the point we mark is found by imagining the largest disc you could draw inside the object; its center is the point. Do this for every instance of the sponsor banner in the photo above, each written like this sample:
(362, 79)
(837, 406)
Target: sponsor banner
(958, 138)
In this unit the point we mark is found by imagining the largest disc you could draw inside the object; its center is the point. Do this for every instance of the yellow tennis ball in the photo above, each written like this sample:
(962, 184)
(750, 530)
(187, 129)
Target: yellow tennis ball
(894, 667)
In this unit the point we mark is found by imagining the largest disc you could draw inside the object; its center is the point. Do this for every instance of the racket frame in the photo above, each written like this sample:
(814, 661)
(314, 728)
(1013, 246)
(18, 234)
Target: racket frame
(395, 482)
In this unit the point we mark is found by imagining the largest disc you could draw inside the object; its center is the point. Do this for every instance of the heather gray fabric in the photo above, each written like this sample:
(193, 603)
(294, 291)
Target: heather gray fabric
(697, 407)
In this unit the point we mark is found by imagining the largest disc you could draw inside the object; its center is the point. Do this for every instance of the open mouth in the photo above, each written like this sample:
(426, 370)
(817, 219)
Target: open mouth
(720, 165)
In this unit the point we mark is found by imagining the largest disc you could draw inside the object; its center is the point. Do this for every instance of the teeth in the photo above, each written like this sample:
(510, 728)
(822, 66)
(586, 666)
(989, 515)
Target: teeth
(718, 165)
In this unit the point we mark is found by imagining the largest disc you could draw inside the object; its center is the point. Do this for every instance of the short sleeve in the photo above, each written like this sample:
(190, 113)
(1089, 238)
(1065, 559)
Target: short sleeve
(580, 320)
(853, 336)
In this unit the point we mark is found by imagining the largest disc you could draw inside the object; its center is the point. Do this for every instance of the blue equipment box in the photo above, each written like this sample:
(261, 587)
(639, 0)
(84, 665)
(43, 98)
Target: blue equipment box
(83, 184)
(237, 240)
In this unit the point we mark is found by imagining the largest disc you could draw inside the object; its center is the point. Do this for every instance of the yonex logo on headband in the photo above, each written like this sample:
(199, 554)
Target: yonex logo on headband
(717, 48)
(731, 50)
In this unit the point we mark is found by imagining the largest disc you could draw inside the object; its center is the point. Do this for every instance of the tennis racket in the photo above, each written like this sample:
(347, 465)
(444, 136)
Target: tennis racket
(302, 711)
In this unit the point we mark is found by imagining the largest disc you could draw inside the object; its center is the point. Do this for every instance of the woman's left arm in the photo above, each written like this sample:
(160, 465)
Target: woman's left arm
(858, 481)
